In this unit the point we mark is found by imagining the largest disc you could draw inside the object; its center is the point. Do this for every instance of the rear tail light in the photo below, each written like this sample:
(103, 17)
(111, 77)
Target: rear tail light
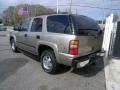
(73, 47)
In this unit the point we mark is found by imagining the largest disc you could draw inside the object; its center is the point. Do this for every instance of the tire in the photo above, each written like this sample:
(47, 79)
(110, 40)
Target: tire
(48, 62)
(13, 46)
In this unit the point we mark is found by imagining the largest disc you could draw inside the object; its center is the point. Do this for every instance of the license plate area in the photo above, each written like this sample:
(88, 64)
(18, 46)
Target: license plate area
(83, 63)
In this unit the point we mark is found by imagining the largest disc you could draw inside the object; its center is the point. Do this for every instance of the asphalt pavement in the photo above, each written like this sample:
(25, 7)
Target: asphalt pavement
(20, 71)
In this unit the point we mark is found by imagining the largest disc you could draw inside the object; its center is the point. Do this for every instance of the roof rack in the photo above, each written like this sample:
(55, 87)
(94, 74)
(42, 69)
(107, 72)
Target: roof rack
(48, 13)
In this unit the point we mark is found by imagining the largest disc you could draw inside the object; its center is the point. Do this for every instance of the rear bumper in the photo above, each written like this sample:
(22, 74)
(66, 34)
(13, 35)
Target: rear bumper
(71, 60)
(91, 57)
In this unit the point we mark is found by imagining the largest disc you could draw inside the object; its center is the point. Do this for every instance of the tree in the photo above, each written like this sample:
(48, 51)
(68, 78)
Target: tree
(10, 15)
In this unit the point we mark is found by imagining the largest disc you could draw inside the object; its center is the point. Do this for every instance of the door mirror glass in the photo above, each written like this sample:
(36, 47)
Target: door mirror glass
(16, 27)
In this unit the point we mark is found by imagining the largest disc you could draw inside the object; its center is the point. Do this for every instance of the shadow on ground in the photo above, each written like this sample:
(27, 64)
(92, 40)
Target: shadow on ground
(90, 70)
(63, 69)
(87, 71)
(10, 66)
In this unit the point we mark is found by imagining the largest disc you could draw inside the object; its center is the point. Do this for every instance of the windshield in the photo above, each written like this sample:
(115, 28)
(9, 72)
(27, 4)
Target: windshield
(84, 25)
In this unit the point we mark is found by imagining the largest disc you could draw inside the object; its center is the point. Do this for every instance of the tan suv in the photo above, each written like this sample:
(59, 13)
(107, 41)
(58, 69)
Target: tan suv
(58, 39)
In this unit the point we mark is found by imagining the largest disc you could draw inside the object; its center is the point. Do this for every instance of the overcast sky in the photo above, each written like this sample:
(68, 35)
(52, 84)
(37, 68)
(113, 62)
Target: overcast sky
(83, 9)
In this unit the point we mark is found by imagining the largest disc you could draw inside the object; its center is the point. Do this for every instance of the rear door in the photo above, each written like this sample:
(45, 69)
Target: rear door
(88, 33)
(35, 34)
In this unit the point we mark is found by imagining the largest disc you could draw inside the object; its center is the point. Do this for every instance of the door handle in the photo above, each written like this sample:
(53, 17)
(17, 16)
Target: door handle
(37, 37)
(25, 35)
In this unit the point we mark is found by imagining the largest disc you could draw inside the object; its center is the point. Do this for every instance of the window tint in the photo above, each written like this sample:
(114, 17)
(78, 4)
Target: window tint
(58, 24)
(25, 25)
(0, 21)
(36, 25)
(85, 25)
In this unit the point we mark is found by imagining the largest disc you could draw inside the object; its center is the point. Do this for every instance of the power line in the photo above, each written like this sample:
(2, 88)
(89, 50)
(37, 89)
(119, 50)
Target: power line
(88, 7)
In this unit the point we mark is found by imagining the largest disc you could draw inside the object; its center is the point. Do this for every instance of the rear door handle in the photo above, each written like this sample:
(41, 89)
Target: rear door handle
(25, 35)
(37, 37)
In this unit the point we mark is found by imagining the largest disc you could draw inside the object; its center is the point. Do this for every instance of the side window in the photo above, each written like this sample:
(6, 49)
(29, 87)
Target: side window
(58, 24)
(25, 25)
(37, 25)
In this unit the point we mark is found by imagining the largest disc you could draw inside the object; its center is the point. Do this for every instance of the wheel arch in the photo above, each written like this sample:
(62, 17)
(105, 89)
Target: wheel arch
(43, 47)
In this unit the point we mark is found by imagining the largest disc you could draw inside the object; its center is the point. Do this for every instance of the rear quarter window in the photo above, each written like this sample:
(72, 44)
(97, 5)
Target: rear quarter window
(58, 24)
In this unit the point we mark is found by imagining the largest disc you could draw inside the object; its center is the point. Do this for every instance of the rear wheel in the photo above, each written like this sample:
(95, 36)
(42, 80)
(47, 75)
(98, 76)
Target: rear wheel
(13, 45)
(48, 62)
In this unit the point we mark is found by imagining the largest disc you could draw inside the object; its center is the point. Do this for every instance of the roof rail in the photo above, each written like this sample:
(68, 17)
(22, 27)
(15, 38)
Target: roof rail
(47, 13)
(53, 13)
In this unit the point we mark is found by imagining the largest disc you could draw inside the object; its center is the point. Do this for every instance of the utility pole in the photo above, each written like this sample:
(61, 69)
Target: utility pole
(103, 13)
(57, 8)
(35, 11)
(111, 6)
(14, 15)
(76, 11)
(30, 10)
(70, 11)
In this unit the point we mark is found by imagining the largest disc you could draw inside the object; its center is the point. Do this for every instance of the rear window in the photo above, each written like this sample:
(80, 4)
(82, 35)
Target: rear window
(59, 24)
(84, 25)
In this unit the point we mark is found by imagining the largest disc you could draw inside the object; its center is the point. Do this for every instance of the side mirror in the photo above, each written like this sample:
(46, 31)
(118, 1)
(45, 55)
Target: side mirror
(16, 27)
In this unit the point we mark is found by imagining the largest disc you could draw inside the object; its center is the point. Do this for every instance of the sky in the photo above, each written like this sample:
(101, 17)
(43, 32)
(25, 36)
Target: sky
(91, 8)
